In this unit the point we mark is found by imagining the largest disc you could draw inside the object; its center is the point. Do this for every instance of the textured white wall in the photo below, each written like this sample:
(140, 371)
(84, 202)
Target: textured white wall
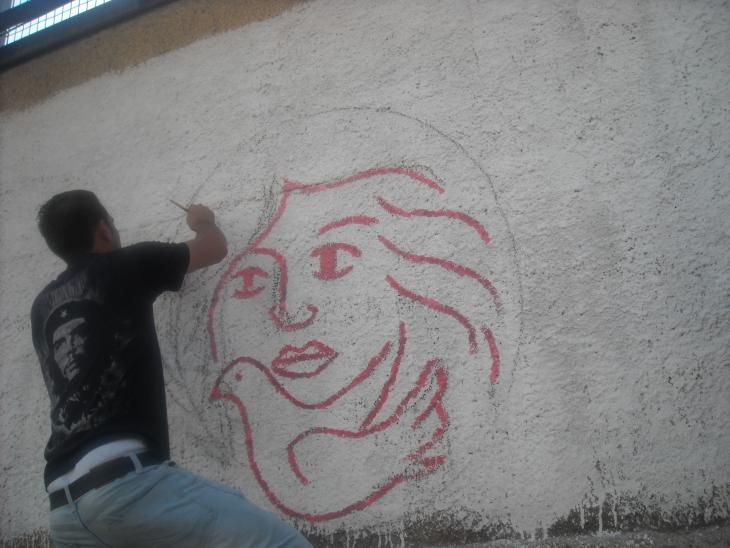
(589, 140)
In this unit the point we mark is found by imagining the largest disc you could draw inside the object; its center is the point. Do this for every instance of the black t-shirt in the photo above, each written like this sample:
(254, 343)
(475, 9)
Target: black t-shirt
(94, 333)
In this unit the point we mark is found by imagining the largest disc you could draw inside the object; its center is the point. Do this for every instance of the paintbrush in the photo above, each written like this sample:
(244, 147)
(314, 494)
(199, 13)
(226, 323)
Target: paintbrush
(185, 209)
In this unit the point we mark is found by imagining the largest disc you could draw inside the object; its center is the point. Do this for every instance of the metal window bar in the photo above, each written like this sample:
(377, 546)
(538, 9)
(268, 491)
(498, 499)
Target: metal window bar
(31, 27)
(16, 12)
(54, 17)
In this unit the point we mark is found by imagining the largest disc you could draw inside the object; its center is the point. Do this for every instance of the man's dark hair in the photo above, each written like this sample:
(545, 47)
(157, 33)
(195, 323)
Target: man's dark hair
(67, 222)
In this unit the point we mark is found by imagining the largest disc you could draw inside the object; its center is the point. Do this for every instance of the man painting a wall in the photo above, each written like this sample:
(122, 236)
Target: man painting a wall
(108, 472)
(588, 139)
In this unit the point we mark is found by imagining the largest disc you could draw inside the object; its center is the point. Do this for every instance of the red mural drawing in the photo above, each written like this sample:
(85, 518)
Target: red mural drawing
(407, 416)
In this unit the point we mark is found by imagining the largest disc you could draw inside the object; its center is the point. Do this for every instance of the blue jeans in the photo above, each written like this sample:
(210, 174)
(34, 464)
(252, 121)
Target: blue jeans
(164, 505)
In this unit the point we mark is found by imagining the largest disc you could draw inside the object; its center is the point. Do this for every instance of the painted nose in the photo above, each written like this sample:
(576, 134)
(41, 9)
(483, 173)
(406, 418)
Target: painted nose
(287, 321)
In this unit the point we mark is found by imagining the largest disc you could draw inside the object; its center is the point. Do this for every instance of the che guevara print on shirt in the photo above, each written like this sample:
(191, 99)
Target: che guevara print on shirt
(80, 345)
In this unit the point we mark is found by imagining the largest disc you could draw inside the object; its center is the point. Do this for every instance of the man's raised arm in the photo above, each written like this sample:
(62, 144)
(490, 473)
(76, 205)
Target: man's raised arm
(209, 245)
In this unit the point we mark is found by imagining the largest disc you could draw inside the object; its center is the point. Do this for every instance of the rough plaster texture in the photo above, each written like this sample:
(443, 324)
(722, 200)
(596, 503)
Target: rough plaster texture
(587, 390)
(169, 26)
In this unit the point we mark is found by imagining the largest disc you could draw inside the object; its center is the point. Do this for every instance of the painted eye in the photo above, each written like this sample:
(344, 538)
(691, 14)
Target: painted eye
(328, 260)
(248, 276)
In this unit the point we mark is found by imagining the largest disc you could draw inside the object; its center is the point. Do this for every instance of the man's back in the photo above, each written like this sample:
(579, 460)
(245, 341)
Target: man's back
(94, 334)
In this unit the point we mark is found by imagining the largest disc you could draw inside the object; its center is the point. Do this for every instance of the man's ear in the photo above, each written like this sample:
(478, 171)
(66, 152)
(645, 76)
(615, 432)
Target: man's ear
(104, 237)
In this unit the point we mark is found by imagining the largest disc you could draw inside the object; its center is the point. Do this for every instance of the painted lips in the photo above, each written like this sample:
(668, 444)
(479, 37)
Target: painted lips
(309, 360)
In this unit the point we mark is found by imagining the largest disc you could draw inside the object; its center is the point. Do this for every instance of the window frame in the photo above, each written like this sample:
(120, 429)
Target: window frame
(57, 35)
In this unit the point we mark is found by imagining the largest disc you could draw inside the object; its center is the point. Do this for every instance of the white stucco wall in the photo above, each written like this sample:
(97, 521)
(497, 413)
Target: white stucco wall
(590, 140)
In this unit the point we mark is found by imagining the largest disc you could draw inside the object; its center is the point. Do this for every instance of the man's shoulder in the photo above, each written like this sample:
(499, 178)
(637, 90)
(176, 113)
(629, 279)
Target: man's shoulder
(148, 247)
(43, 296)
(42, 305)
(130, 254)
(154, 266)
(149, 254)
(77, 282)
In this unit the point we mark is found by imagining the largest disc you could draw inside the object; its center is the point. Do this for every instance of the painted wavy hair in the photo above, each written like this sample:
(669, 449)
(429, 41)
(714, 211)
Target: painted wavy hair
(480, 337)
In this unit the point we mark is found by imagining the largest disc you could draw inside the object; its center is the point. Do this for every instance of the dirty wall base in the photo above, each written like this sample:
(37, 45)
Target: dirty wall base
(717, 536)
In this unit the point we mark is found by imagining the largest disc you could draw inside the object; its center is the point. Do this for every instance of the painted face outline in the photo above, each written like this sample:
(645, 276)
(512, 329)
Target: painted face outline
(327, 253)
(69, 344)
(306, 315)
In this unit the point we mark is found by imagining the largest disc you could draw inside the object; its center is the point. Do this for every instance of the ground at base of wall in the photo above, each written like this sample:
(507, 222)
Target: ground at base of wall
(716, 536)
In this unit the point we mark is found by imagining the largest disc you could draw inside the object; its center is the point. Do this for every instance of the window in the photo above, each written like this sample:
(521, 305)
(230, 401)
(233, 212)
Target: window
(54, 17)
(31, 27)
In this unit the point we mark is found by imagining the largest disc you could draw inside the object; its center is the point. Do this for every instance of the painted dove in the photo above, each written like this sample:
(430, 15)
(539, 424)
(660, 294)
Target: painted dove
(309, 458)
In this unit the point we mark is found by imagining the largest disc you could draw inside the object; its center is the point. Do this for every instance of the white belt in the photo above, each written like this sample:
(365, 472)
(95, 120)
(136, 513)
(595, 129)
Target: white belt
(95, 457)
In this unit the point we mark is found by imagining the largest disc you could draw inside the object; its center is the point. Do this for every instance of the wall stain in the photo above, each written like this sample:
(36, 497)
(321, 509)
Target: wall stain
(443, 529)
(633, 514)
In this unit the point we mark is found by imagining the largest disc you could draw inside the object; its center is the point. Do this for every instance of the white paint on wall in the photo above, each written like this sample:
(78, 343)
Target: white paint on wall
(590, 141)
